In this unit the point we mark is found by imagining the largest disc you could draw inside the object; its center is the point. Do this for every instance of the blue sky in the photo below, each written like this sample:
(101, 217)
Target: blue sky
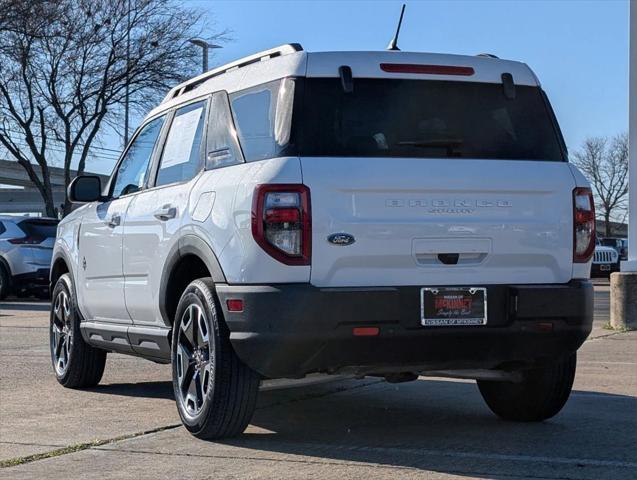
(578, 49)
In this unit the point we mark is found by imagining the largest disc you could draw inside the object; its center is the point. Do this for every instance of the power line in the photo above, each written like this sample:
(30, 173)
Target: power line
(60, 150)
(79, 144)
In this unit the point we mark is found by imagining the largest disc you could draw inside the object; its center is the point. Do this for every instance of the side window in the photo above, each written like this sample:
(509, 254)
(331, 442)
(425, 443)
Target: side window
(181, 158)
(2, 228)
(222, 146)
(263, 116)
(133, 169)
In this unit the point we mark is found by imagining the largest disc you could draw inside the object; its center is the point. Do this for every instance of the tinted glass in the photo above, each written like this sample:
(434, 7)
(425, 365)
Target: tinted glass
(223, 148)
(181, 157)
(133, 169)
(2, 228)
(422, 118)
(39, 228)
(263, 115)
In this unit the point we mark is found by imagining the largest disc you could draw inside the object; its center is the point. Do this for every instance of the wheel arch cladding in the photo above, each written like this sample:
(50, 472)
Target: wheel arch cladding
(58, 268)
(191, 259)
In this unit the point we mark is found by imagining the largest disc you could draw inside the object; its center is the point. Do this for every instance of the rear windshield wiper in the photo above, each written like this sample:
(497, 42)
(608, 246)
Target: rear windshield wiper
(447, 143)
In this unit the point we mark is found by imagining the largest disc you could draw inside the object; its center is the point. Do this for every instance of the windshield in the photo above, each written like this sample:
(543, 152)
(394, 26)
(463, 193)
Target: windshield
(423, 118)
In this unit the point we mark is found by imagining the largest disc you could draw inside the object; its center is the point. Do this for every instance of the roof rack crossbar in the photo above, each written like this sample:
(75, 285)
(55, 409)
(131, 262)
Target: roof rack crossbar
(242, 62)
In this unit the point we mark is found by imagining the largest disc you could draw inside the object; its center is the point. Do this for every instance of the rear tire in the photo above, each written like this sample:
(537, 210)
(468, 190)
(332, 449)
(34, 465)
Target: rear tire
(540, 395)
(4, 283)
(215, 391)
(76, 364)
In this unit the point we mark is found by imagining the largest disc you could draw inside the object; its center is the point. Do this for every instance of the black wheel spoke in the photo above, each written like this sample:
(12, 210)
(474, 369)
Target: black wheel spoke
(186, 380)
(59, 344)
(188, 328)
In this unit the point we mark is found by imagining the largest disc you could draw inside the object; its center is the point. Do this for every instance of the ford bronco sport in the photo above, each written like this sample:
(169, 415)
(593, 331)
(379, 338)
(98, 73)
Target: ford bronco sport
(390, 214)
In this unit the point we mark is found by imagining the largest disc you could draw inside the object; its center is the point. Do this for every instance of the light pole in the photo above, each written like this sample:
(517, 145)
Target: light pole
(623, 285)
(205, 46)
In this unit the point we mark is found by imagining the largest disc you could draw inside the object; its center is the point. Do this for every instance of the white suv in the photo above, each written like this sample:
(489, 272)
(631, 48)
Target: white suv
(370, 213)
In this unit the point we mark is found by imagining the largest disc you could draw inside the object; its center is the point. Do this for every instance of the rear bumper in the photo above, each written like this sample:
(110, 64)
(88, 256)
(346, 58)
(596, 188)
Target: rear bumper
(598, 269)
(37, 279)
(290, 330)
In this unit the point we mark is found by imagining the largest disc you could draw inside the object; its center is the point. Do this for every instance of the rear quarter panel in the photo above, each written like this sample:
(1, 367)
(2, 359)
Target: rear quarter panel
(227, 228)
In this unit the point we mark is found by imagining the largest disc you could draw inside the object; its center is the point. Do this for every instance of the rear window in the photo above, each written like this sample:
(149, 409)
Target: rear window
(423, 118)
(39, 228)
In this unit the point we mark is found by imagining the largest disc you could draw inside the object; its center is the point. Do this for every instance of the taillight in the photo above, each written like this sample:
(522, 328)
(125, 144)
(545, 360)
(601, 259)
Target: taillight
(26, 241)
(583, 225)
(282, 223)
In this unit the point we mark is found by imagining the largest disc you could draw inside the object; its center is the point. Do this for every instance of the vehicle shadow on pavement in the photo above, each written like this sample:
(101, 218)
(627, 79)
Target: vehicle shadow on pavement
(444, 426)
(162, 390)
(25, 307)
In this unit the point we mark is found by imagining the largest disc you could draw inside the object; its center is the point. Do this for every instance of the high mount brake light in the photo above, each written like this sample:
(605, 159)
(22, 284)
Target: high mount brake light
(427, 69)
(583, 225)
(282, 222)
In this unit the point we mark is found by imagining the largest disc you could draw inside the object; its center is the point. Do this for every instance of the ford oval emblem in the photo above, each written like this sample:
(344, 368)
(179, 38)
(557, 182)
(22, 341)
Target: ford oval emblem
(341, 239)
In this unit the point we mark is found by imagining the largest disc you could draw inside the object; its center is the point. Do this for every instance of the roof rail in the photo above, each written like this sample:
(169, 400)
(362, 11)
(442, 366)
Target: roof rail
(193, 83)
(487, 55)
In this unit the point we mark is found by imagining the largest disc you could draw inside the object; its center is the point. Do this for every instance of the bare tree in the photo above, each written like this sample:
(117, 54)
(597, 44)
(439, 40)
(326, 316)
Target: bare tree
(66, 66)
(604, 161)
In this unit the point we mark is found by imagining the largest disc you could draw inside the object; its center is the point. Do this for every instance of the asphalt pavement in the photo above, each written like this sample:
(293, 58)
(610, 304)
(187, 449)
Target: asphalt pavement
(128, 426)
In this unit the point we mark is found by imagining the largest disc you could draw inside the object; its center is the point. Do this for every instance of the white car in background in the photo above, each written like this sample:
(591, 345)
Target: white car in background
(605, 261)
(26, 246)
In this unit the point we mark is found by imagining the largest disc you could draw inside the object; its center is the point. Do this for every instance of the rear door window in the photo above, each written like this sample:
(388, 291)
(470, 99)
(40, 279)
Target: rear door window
(181, 157)
(424, 118)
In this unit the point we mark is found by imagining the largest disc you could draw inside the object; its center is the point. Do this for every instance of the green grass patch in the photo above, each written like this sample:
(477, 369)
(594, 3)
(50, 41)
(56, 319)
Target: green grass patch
(608, 326)
(78, 447)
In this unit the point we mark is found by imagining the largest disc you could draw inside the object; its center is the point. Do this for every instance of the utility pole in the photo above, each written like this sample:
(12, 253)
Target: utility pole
(205, 46)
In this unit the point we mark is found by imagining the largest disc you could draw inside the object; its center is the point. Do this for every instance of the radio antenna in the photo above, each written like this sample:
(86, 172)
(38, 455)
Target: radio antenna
(393, 45)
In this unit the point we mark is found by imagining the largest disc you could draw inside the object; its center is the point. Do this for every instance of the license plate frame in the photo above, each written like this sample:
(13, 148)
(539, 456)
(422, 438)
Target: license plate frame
(452, 310)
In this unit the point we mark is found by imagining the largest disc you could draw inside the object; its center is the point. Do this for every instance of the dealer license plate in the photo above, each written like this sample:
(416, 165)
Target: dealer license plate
(453, 306)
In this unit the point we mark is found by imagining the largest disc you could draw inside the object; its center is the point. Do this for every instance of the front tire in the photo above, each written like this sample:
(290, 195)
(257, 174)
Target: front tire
(215, 391)
(540, 395)
(76, 364)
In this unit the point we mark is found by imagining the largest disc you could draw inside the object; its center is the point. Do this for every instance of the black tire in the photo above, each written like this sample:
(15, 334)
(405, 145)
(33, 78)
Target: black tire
(83, 365)
(221, 402)
(4, 282)
(540, 395)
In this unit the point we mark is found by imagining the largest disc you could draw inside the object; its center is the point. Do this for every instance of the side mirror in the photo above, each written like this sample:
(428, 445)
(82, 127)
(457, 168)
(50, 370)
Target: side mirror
(85, 189)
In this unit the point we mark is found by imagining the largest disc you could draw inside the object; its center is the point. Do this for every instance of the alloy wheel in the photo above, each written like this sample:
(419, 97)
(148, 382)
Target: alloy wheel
(194, 360)
(61, 333)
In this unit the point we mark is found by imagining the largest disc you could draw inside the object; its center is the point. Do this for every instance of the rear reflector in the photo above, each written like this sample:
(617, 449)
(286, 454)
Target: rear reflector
(426, 69)
(365, 331)
(235, 305)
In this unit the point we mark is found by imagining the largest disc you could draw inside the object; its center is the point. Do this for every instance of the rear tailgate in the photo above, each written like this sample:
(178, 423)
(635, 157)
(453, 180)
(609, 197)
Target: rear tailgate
(507, 221)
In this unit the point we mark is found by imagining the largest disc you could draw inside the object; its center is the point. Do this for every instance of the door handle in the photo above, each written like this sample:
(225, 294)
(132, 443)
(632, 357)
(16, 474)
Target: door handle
(166, 213)
(115, 221)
